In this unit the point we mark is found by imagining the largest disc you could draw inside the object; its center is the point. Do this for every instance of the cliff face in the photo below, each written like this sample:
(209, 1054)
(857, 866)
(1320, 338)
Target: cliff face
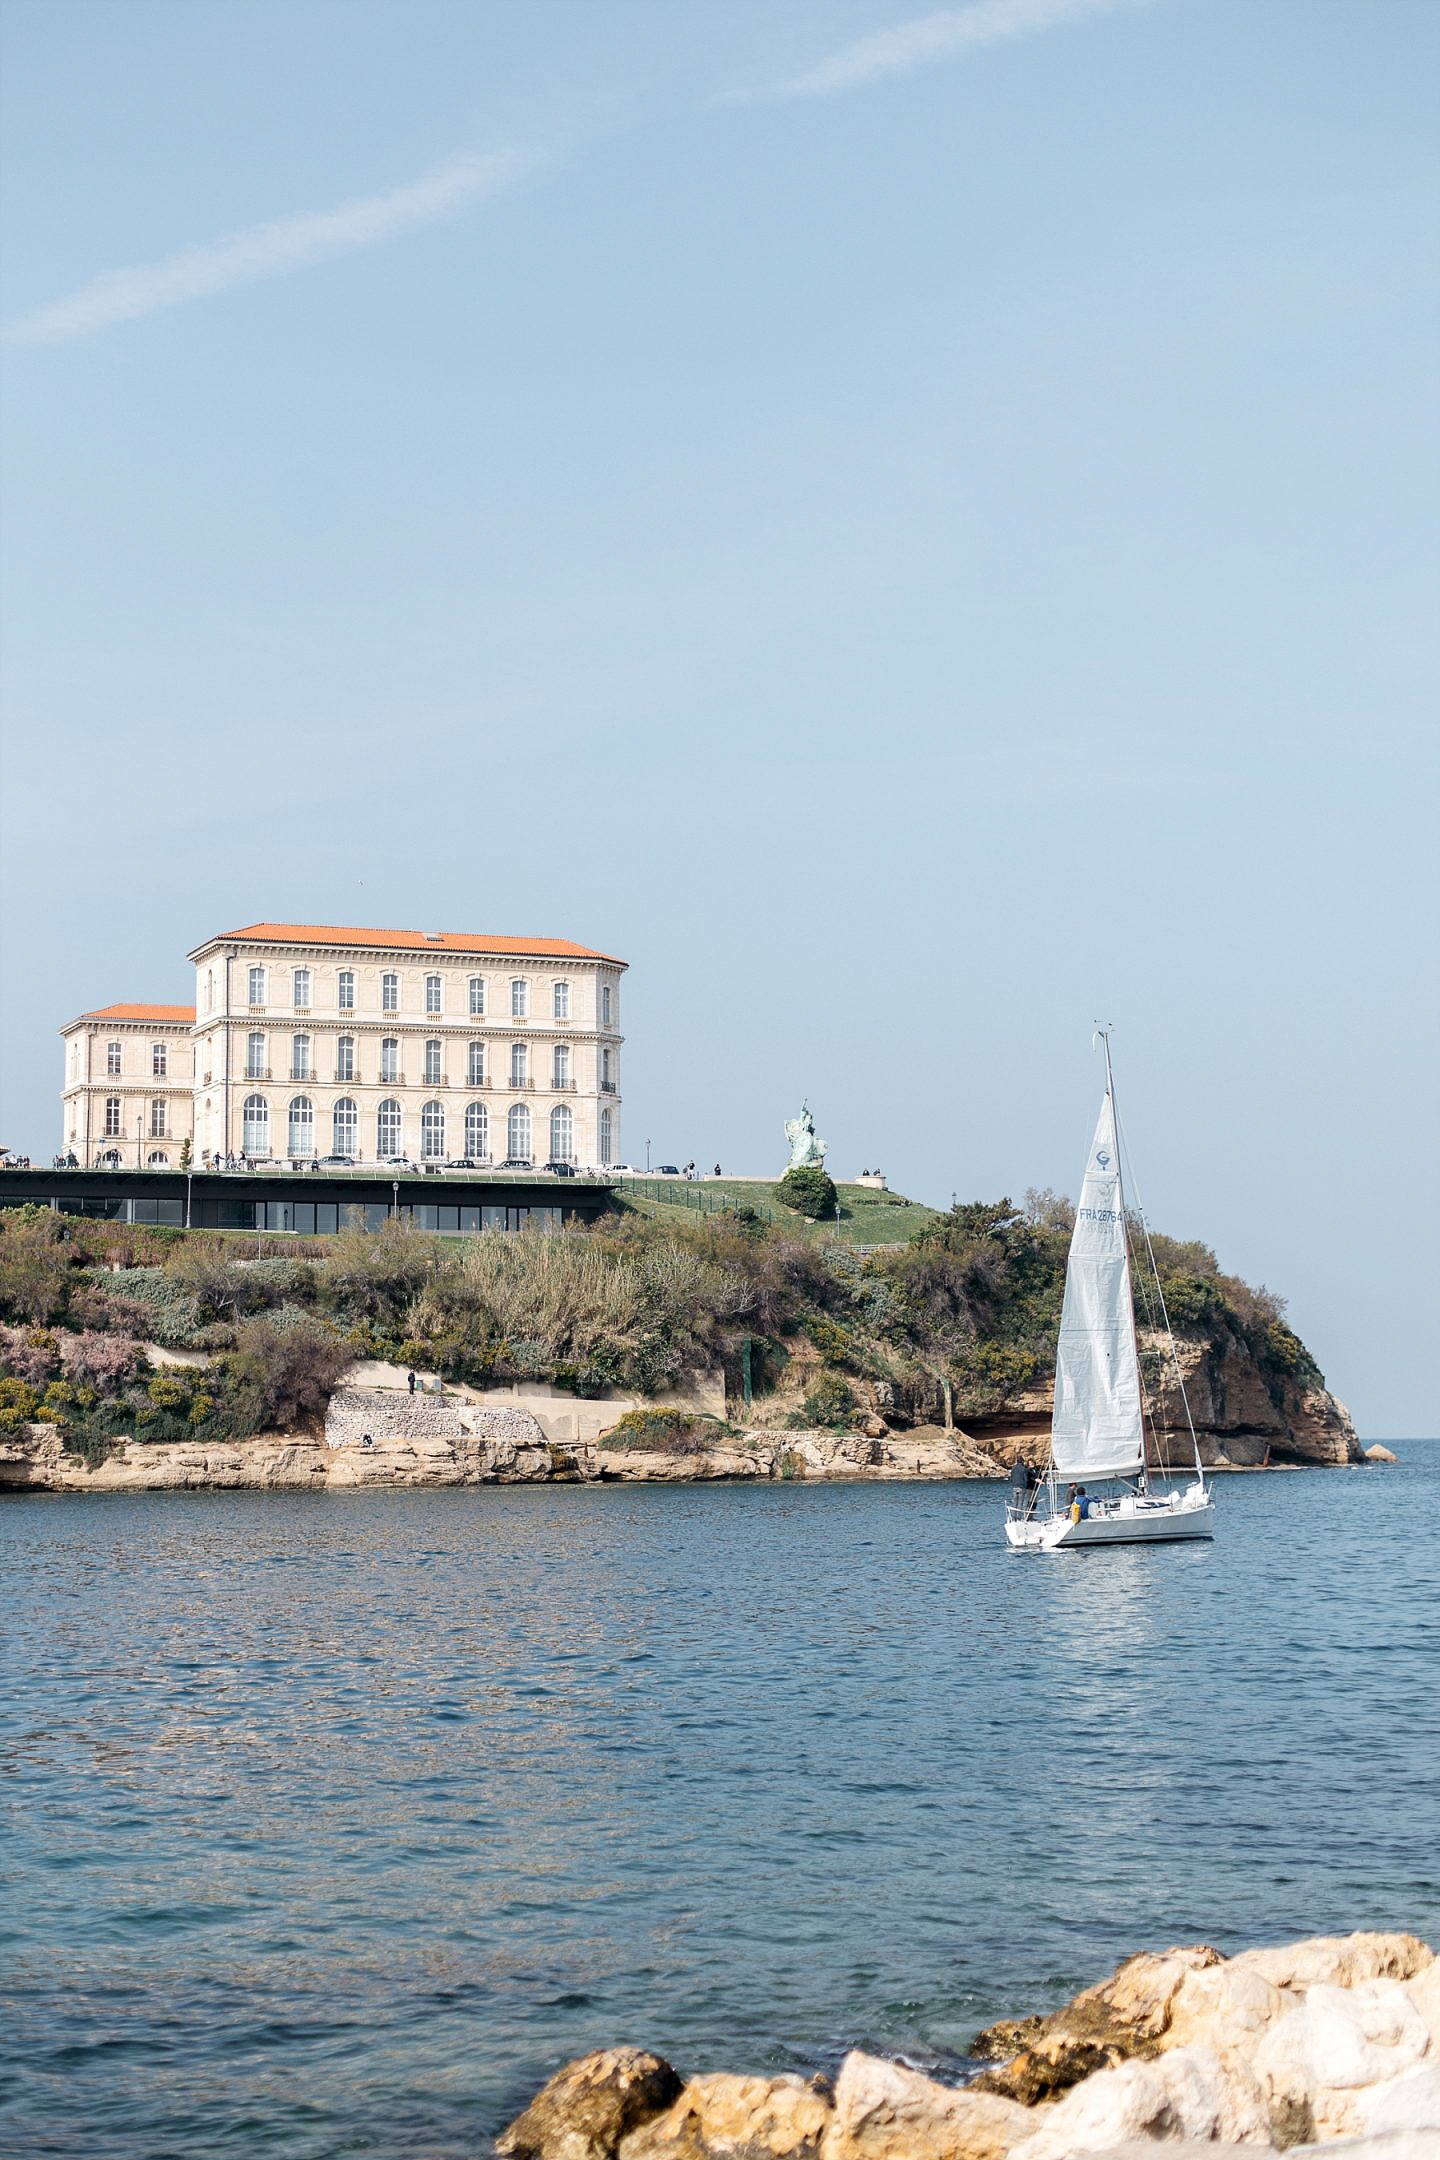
(1239, 1423)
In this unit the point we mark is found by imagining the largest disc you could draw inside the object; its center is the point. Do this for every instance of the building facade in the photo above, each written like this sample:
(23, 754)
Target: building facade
(129, 1092)
(313, 1041)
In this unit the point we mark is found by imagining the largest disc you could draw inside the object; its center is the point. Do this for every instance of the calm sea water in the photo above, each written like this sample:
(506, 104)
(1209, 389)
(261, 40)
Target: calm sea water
(333, 1824)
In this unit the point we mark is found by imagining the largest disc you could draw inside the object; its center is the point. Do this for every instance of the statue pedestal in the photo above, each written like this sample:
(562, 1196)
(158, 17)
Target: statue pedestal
(874, 1179)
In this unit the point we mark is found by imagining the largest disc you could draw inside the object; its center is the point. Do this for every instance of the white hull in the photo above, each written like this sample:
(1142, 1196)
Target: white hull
(1136, 1519)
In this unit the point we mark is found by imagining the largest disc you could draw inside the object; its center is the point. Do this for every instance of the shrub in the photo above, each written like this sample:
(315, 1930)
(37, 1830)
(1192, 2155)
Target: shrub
(810, 1192)
(667, 1432)
(29, 1354)
(99, 1361)
(147, 1297)
(19, 1403)
(284, 1377)
(34, 1265)
(373, 1274)
(829, 1402)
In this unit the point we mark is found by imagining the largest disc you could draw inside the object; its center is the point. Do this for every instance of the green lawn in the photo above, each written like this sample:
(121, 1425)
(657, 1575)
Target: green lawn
(866, 1217)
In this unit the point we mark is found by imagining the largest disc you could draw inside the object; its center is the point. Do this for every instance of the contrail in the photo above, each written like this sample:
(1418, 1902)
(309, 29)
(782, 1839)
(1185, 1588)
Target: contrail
(270, 250)
(926, 38)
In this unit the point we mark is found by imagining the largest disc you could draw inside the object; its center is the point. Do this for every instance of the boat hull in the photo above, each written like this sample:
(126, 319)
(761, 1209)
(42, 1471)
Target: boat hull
(1183, 1517)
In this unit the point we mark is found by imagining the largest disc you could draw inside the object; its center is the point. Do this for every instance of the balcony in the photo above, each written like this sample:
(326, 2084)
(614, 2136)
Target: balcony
(301, 1012)
(257, 1008)
(609, 1087)
(346, 1079)
(478, 1080)
(561, 1087)
(392, 1079)
(518, 1084)
(252, 1072)
(297, 1073)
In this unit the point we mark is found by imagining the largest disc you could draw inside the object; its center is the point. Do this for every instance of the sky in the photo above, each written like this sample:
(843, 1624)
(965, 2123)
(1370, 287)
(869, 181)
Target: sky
(915, 528)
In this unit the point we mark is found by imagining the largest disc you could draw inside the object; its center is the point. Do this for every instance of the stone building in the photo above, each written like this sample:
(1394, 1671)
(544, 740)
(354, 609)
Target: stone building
(129, 1092)
(310, 1041)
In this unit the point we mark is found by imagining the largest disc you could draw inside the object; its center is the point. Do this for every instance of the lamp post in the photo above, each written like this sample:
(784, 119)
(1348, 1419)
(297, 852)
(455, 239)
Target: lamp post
(139, 1139)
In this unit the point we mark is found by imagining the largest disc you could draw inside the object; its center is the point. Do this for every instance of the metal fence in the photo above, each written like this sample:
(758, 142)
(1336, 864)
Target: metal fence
(702, 1196)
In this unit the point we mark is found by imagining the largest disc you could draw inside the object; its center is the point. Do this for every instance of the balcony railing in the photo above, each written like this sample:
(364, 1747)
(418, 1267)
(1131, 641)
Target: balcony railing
(479, 1080)
(561, 1087)
(252, 1072)
(347, 1079)
(519, 1081)
(301, 1072)
(436, 1080)
(609, 1087)
(393, 1079)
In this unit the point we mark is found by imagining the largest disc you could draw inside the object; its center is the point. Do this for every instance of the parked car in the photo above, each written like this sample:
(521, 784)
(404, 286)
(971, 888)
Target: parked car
(396, 1162)
(337, 1162)
(517, 1162)
(617, 1169)
(562, 1169)
(667, 1169)
(463, 1162)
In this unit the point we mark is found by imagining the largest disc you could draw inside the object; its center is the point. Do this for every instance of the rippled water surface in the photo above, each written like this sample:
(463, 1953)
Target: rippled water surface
(334, 1823)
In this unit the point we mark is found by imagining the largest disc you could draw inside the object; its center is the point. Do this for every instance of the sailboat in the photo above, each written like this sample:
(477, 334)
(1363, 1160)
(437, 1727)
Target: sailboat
(1098, 1424)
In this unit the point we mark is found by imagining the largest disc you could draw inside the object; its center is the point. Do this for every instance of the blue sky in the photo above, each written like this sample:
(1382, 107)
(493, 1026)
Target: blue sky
(917, 530)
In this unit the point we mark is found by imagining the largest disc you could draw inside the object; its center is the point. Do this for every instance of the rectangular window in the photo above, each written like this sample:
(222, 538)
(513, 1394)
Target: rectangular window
(476, 1070)
(432, 1064)
(300, 1057)
(432, 993)
(519, 999)
(562, 1001)
(112, 1116)
(157, 1061)
(607, 1006)
(477, 995)
(519, 1064)
(390, 1059)
(112, 1060)
(562, 1065)
(345, 990)
(302, 989)
(257, 986)
(255, 1057)
(607, 1071)
(389, 993)
(157, 1121)
(345, 1058)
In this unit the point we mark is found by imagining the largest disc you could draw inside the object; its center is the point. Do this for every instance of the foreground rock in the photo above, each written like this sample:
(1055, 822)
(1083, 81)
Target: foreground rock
(1327, 2045)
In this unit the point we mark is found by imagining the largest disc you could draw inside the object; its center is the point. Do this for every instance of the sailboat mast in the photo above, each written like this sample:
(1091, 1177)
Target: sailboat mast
(1120, 1202)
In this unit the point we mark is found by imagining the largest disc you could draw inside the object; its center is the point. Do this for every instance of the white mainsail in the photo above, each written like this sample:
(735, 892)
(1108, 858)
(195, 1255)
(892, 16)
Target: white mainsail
(1095, 1430)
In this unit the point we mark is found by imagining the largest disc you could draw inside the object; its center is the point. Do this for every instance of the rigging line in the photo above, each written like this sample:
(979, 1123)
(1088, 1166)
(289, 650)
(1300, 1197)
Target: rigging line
(1122, 1141)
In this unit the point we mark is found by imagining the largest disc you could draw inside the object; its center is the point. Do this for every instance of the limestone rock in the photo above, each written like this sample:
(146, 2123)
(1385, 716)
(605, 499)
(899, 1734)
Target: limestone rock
(1051, 2066)
(1006, 2037)
(1226, 2007)
(1406, 2103)
(1387, 2145)
(885, 2112)
(1338, 1960)
(1338, 2044)
(1376, 1453)
(1187, 2093)
(736, 2118)
(1130, 2011)
(587, 2108)
(1424, 1991)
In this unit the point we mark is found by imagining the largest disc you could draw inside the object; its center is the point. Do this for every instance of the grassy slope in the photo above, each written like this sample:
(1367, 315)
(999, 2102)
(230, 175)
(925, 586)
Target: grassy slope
(866, 1217)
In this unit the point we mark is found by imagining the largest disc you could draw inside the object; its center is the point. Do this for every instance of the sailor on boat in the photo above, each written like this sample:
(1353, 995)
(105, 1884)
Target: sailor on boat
(1098, 1426)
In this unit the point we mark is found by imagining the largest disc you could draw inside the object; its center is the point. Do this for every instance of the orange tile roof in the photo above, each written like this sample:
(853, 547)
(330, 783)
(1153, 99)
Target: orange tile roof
(271, 933)
(185, 1014)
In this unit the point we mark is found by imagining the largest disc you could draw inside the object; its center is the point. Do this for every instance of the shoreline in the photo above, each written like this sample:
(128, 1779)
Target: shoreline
(1327, 2044)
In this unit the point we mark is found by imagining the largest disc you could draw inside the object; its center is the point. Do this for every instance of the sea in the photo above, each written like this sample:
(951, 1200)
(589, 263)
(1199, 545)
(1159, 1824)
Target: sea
(335, 1823)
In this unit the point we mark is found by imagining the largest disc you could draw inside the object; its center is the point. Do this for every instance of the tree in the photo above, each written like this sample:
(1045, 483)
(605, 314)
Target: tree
(285, 1376)
(34, 1266)
(811, 1192)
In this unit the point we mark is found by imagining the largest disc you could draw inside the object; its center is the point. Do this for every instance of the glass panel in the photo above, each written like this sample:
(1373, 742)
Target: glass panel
(494, 1218)
(305, 1217)
(327, 1217)
(469, 1218)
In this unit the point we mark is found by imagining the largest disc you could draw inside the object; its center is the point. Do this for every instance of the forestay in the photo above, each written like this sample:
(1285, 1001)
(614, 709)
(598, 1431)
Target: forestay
(1095, 1430)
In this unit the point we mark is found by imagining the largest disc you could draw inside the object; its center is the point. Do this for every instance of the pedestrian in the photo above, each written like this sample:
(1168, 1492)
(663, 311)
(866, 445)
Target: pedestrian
(410, 1381)
(717, 1169)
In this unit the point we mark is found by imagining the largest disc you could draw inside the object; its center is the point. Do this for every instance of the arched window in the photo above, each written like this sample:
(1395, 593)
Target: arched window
(302, 1127)
(432, 1062)
(561, 1074)
(390, 1058)
(344, 1128)
(607, 1143)
(432, 1132)
(517, 1133)
(345, 1058)
(157, 1162)
(475, 1070)
(477, 1131)
(255, 1126)
(387, 1130)
(562, 1133)
(157, 1120)
(112, 1116)
(159, 1059)
(255, 1057)
(300, 1058)
(519, 1064)
(477, 995)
